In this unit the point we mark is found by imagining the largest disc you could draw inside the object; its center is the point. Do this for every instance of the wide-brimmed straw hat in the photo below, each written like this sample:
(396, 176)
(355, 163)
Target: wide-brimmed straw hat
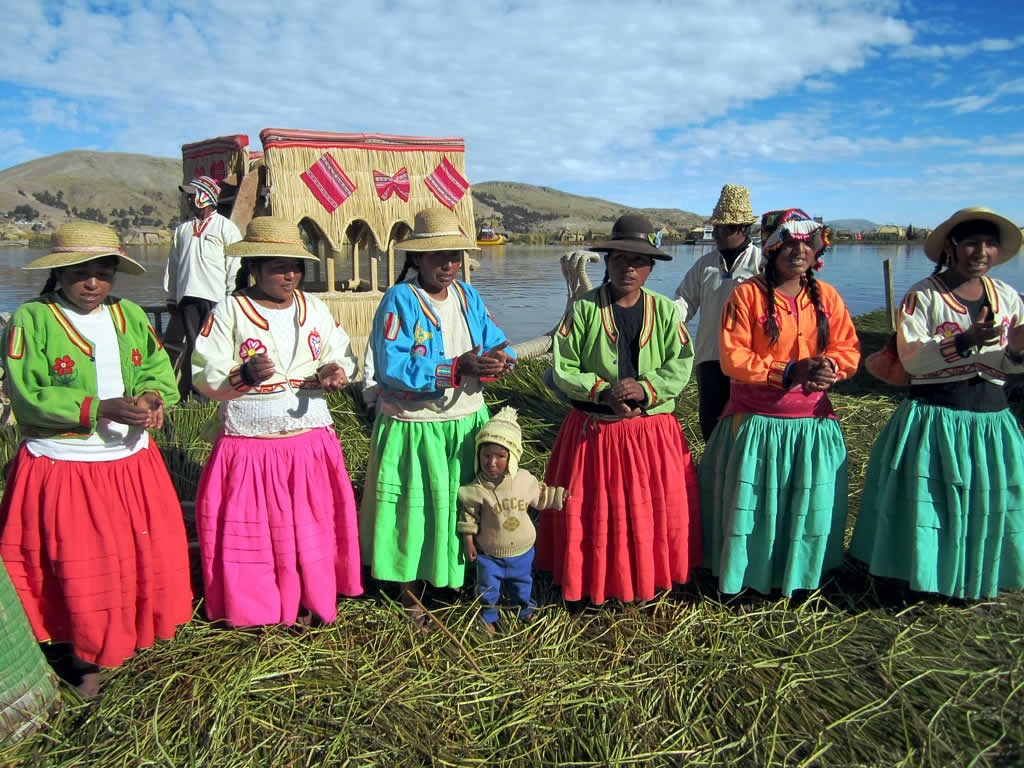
(632, 233)
(80, 241)
(1009, 233)
(733, 207)
(437, 229)
(269, 237)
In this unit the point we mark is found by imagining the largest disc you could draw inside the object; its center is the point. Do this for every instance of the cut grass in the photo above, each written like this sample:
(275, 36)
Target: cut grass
(853, 674)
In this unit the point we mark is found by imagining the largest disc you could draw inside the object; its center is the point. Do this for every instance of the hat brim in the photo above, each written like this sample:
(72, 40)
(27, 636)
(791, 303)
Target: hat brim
(731, 222)
(428, 244)
(631, 245)
(244, 249)
(1010, 236)
(125, 264)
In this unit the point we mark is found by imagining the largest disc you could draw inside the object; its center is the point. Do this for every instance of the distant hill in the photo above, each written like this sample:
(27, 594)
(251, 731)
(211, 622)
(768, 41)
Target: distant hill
(522, 209)
(104, 181)
(853, 225)
(140, 190)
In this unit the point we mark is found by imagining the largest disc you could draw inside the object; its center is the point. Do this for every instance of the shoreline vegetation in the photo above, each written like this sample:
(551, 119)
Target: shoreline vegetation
(857, 673)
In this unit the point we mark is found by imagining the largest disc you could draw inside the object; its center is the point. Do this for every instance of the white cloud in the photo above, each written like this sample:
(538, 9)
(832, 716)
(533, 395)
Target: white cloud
(960, 50)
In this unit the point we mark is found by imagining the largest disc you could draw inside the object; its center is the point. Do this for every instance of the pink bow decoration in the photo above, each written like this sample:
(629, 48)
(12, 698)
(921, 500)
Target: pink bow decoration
(392, 185)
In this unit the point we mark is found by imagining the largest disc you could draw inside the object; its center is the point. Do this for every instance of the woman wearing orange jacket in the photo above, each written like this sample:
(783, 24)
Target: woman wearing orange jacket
(773, 478)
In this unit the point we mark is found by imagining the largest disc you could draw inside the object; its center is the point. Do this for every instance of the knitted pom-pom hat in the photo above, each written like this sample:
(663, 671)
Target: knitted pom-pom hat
(503, 429)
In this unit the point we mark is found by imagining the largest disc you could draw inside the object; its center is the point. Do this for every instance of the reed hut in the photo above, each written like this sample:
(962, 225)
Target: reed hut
(352, 195)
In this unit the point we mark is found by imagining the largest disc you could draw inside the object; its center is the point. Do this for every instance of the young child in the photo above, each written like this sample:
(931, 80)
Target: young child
(91, 530)
(275, 509)
(494, 518)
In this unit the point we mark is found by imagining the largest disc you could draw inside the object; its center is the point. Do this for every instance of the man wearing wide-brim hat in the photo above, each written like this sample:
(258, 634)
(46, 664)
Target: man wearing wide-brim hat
(707, 285)
(198, 273)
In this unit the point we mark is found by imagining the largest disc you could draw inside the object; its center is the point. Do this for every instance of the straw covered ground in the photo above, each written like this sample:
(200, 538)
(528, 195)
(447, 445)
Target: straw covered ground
(857, 674)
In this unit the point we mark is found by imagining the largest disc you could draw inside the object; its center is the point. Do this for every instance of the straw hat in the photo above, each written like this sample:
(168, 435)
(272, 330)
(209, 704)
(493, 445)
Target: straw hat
(268, 237)
(733, 207)
(632, 233)
(503, 429)
(437, 229)
(82, 241)
(1009, 233)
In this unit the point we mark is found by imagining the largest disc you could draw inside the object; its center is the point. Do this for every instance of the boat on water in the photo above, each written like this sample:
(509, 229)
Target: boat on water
(489, 236)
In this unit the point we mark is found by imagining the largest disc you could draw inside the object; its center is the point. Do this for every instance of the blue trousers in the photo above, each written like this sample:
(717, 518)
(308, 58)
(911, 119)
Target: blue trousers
(515, 574)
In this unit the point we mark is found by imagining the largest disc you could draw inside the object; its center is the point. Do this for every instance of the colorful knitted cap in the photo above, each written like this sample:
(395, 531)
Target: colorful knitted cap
(792, 224)
(206, 190)
(503, 429)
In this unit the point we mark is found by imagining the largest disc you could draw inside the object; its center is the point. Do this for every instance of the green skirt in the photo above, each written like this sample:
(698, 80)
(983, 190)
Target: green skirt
(409, 507)
(773, 494)
(28, 689)
(943, 504)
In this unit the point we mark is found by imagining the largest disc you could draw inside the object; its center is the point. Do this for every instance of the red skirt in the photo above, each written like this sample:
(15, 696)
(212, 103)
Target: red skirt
(632, 523)
(97, 552)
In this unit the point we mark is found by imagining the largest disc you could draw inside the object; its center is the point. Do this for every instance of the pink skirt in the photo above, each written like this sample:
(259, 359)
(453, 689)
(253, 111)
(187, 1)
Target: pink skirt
(631, 525)
(97, 552)
(276, 519)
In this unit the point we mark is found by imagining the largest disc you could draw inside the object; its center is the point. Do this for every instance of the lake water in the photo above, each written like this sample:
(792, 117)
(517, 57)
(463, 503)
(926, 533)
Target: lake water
(523, 286)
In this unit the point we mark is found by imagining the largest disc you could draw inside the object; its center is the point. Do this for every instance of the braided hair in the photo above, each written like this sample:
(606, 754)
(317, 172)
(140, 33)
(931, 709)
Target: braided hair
(940, 263)
(409, 264)
(51, 283)
(771, 324)
(815, 293)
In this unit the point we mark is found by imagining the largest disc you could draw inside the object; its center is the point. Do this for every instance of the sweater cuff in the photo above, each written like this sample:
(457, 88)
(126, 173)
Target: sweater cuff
(597, 389)
(954, 348)
(236, 379)
(447, 375)
(89, 412)
(650, 392)
(778, 373)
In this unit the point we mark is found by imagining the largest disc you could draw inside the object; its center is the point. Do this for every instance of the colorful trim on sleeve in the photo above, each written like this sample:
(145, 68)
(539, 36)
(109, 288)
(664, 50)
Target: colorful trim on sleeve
(391, 326)
(949, 350)
(207, 326)
(445, 373)
(16, 343)
(85, 413)
(152, 332)
(652, 395)
(235, 379)
(777, 373)
(595, 392)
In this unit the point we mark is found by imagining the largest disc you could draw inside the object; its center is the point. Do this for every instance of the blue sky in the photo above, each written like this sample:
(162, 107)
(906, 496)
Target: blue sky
(898, 112)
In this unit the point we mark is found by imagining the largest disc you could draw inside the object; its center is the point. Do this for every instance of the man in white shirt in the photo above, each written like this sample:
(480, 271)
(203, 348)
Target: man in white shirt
(707, 286)
(198, 274)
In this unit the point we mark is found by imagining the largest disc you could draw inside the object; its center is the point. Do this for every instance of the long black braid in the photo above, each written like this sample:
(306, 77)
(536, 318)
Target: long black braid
(409, 264)
(940, 263)
(51, 283)
(243, 276)
(771, 324)
(815, 294)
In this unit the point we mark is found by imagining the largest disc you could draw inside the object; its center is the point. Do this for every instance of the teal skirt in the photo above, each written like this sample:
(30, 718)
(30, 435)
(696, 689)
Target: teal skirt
(773, 495)
(28, 689)
(409, 507)
(943, 504)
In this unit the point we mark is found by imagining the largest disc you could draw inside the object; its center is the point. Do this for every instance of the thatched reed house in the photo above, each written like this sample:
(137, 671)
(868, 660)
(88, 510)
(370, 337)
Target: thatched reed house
(353, 196)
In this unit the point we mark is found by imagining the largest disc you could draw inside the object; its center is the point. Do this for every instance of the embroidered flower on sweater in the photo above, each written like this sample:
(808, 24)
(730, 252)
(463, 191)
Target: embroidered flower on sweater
(64, 366)
(947, 330)
(251, 348)
(136, 358)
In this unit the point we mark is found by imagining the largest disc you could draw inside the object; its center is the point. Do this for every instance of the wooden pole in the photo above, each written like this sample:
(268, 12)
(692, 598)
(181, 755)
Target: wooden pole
(890, 293)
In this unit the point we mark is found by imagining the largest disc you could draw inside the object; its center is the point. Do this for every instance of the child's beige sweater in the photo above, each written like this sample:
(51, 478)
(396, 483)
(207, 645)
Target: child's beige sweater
(498, 514)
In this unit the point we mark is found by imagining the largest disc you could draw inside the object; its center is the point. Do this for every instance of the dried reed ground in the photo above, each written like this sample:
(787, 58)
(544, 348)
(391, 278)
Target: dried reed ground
(855, 674)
